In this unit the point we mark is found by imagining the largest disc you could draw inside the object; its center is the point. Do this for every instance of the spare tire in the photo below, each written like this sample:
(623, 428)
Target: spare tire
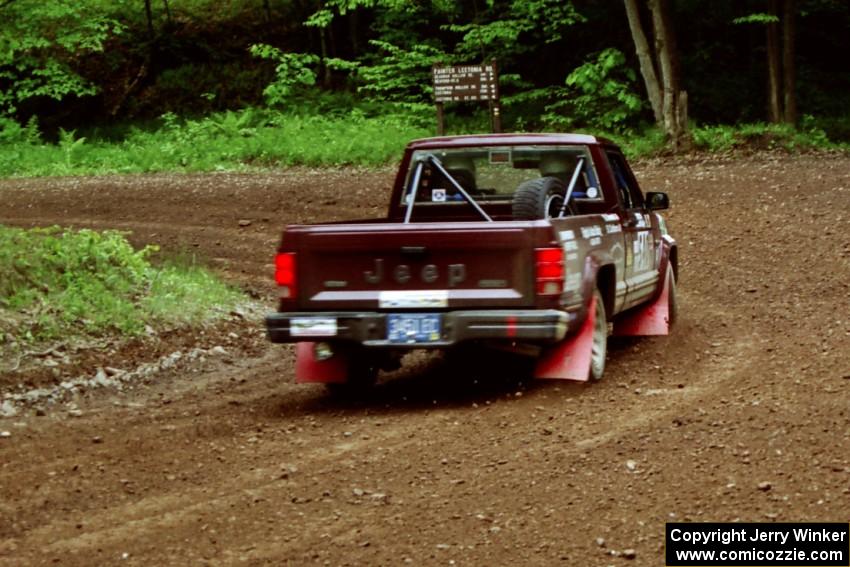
(539, 199)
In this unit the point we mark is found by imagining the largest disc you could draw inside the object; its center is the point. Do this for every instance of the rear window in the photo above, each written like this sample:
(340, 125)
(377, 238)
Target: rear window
(494, 173)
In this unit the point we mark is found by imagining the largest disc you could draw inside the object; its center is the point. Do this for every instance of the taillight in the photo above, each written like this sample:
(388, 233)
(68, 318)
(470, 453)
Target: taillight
(549, 274)
(284, 274)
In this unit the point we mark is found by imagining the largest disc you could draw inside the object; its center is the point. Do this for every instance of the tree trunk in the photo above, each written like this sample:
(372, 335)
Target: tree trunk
(354, 32)
(662, 53)
(267, 9)
(149, 17)
(789, 71)
(665, 51)
(774, 96)
(326, 71)
(167, 10)
(647, 67)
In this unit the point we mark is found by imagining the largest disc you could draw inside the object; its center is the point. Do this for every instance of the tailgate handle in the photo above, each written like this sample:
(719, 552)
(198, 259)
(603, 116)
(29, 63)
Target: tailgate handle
(413, 250)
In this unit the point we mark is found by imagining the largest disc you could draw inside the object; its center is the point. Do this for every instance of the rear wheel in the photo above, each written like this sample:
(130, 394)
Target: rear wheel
(539, 199)
(362, 375)
(599, 348)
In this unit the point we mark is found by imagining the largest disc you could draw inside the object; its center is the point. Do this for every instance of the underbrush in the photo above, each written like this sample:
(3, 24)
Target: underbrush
(57, 283)
(221, 142)
(316, 134)
(724, 138)
(761, 136)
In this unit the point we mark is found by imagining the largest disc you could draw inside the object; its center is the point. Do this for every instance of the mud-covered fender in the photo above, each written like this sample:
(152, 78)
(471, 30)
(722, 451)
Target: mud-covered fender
(669, 257)
(599, 263)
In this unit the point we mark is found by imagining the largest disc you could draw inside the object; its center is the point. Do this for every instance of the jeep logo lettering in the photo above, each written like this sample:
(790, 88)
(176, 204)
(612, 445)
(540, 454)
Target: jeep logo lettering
(403, 273)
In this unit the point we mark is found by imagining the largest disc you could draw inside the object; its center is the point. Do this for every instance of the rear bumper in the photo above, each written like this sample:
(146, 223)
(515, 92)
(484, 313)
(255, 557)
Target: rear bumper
(542, 326)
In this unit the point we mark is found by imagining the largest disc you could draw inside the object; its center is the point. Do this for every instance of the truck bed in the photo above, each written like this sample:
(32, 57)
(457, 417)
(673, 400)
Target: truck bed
(376, 266)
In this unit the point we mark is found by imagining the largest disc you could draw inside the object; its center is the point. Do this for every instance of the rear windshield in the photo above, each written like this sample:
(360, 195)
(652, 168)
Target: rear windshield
(494, 173)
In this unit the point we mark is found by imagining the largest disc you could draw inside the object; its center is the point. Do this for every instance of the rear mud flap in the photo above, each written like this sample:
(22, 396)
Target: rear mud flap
(650, 320)
(308, 369)
(570, 359)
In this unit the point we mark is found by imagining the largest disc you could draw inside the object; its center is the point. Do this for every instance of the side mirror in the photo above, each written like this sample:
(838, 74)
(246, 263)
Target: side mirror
(657, 201)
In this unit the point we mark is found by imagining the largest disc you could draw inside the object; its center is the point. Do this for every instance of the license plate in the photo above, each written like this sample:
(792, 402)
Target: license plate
(413, 327)
(313, 327)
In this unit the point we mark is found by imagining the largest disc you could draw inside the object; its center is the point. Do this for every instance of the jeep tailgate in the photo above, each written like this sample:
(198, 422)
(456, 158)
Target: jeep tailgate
(415, 266)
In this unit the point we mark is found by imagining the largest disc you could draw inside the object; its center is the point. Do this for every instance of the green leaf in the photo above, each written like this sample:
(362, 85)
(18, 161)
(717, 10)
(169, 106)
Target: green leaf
(757, 18)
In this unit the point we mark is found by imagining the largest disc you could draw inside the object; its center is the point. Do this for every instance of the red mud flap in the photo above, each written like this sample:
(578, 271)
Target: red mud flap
(653, 319)
(570, 359)
(308, 369)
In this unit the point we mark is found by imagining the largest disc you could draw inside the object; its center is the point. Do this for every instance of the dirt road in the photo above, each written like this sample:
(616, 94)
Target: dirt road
(744, 413)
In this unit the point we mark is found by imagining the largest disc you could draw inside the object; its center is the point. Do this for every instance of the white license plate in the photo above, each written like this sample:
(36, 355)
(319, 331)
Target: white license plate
(313, 327)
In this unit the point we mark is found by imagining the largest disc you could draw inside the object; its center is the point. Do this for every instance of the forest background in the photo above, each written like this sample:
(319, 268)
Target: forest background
(100, 86)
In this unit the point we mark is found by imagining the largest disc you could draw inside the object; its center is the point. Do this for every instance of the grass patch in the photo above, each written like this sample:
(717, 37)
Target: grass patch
(332, 132)
(221, 142)
(723, 138)
(57, 283)
(761, 136)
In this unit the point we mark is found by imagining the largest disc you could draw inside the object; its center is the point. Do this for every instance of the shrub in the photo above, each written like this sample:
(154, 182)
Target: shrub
(91, 283)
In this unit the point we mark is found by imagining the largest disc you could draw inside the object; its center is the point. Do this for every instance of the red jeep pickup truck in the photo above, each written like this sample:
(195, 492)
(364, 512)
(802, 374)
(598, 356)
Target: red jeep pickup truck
(538, 243)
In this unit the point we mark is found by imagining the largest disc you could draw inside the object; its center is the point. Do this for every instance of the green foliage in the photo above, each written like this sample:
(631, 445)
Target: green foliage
(649, 142)
(195, 58)
(39, 41)
(758, 18)
(91, 283)
(320, 19)
(834, 127)
(70, 146)
(760, 136)
(232, 140)
(398, 67)
(503, 36)
(401, 75)
(726, 138)
(599, 94)
(333, 131)
(11, 132)
(292, 73)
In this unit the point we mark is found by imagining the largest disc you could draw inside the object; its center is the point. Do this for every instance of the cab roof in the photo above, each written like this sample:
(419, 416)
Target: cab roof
(507, 140)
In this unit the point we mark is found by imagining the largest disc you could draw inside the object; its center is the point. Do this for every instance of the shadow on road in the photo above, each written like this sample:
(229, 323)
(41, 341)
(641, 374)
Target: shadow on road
(428, 380)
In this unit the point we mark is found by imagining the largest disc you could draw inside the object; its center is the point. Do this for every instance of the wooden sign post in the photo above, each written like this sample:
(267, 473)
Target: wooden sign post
(461, 83)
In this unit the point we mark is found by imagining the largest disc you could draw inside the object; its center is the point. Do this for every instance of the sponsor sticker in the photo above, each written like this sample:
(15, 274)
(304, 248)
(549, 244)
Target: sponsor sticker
(438, 195)
(591, 231)
(313, 327)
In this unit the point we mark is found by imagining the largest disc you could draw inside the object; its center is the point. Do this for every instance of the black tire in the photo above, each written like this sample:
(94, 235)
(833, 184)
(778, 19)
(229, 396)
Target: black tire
(362, 375)
(539, 199)
(600, 339)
